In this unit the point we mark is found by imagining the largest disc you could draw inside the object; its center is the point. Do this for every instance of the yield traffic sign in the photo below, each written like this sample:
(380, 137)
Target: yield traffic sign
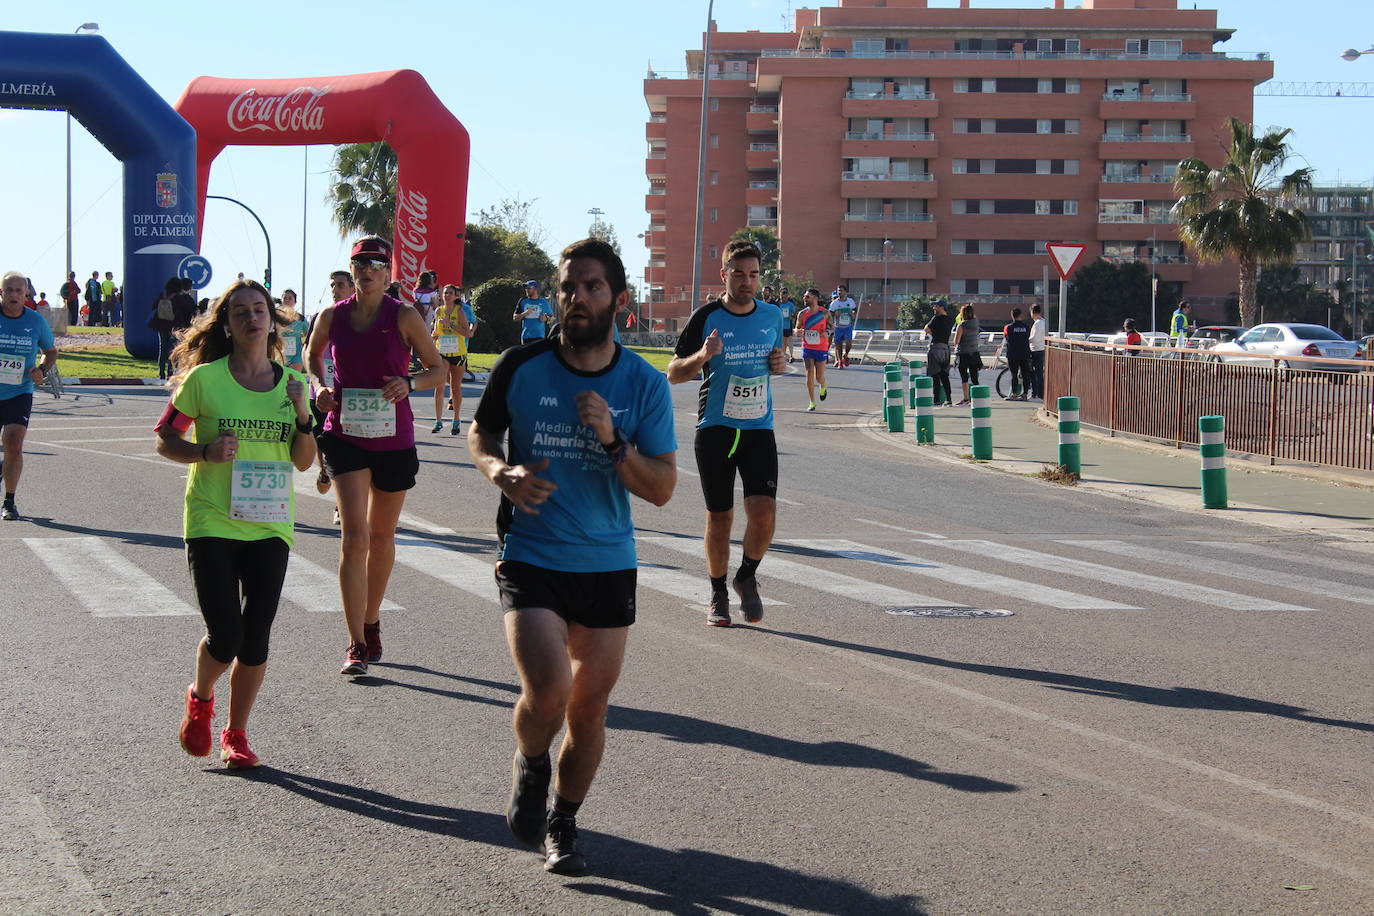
(1065, 257)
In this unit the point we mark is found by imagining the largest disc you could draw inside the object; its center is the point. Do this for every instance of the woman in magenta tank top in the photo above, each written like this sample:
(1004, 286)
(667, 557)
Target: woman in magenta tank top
(368, 440)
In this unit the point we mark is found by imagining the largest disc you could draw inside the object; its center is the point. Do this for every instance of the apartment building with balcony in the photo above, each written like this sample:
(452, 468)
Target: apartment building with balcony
(901, 149)
(1339, 257)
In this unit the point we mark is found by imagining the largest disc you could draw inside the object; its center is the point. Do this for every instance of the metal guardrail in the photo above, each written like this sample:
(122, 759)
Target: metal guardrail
(1311, 415)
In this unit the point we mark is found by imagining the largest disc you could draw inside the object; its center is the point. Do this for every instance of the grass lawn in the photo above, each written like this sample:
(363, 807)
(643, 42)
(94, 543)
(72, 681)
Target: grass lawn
(105, 358)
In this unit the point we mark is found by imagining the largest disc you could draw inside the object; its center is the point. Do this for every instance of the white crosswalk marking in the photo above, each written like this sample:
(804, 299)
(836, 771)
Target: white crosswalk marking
(104, 582)
(1266, 576)
(1115, 577)
(464, 572)
(315, 589)
(963, 576)
(1289, 555)
(696, 589)
(838, 584)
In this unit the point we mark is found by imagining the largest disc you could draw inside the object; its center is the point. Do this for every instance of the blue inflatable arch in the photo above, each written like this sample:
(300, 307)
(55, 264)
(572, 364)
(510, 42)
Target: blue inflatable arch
(82, 75)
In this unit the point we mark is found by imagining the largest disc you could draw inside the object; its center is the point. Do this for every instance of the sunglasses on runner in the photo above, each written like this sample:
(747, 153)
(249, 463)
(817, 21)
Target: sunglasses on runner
(372, 263)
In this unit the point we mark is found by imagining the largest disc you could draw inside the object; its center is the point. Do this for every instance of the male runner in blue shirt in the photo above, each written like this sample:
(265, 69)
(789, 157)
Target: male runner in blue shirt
(587, 423)
(23, 332)
(736, 343)
(534, 313)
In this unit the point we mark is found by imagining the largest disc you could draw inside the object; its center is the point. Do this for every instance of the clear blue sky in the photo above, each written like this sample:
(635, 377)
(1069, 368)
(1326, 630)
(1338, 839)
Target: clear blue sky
(551, 92)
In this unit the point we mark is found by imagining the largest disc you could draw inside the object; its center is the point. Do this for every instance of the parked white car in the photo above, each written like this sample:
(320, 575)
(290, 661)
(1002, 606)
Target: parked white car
(1265, 343)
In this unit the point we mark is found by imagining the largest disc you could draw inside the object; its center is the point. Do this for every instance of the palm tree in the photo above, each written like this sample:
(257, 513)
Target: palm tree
(1238, 211)
(363, 192)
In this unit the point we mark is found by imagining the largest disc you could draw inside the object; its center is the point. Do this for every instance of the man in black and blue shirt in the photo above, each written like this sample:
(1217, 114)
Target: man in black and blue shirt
(736, 344)
(587, 424)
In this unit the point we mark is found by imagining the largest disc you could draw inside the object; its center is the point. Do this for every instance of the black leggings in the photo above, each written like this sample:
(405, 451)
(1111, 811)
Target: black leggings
(239, 627)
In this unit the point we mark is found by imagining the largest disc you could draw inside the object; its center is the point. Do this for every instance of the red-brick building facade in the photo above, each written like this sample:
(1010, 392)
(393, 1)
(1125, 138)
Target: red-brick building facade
(941, 148)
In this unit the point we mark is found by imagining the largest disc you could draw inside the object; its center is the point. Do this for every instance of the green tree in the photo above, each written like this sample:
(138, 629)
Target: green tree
(494, 302)
(600, 229)
(1284, 295)
(915, 312)
(1102, 295)
(491, 252)
(362, 191)
(1245, 209)
(766, 238)
(515, 216)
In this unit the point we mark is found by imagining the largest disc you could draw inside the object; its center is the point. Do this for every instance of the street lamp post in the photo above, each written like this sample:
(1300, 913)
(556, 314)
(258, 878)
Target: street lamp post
(84, 27)
(267, 274)
(887, 252)
(701, 156)
(1352, 54)
(1154, 286)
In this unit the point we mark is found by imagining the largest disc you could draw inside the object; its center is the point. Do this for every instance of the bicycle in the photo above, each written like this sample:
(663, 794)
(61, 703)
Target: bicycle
(1002, 383)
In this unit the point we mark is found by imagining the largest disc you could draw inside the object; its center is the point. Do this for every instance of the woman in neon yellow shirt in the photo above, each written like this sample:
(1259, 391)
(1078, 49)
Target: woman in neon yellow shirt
(251, 425)
(451, 332)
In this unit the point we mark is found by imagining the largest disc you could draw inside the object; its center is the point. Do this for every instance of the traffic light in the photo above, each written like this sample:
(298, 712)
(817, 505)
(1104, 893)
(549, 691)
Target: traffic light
(267, 277)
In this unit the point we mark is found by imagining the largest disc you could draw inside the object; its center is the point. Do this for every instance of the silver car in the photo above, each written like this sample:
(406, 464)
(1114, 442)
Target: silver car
(1265, 343)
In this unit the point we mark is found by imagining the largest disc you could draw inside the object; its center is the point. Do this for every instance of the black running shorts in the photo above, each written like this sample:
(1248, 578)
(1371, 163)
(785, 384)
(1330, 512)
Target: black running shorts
(723, 450)
(16, 410)
(597, 600)
(392, 470)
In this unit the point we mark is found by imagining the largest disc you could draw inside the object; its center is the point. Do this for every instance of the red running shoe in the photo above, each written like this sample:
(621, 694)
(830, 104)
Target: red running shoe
(355, 662)
(195, 725)
(234, 749)
(372, 636)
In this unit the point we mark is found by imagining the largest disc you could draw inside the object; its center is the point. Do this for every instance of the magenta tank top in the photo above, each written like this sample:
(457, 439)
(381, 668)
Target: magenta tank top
(363, 359)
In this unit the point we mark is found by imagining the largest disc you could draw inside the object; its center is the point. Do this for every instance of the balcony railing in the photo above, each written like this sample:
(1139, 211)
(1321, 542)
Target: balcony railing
(894, 218)
(658, 119)
(1155, 179)
(763, 147)
(908, 95)
(658, 154)
(763, 109)
(878, 258)
(760, 221)
(879, 135)
(1012, 55)
(1142, 138)
(883, 176)
(658, 190)
(1139, 97)
(1144, 259)
(1153, 217)
(763, 185)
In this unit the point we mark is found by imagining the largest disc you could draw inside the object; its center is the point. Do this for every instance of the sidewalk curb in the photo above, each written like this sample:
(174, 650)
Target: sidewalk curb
(873, 426)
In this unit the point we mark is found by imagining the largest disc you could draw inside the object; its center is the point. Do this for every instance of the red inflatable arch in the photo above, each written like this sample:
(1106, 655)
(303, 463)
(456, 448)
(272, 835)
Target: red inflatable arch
(431, 147)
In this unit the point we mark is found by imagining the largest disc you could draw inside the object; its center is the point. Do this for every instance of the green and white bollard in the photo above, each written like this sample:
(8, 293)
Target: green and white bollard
(1212, 446)
(894, 402)
(1068, 435)
(925, 408)
(916, 368)
(981, 396)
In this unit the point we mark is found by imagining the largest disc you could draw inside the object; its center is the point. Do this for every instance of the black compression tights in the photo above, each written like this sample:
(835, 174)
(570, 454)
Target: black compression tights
(238, 585)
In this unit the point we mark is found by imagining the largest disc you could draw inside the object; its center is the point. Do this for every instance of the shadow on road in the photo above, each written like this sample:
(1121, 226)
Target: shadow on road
(1176, 697)
(128, 537)
(685, 881)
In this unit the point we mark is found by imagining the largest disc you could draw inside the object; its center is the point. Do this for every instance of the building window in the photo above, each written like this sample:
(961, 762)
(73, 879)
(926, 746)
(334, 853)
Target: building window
(715, 104)
(715, 177)
(1132, 45)
(714, 252)
(712, 214)
(715, 141)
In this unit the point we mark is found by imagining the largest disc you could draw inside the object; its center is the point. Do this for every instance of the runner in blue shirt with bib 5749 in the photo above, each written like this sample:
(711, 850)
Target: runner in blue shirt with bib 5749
(23, 332)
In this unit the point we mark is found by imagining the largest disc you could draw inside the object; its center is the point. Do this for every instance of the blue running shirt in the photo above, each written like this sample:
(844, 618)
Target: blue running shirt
(533, 327)
(737, 388)
(585, 526)
(20, 340)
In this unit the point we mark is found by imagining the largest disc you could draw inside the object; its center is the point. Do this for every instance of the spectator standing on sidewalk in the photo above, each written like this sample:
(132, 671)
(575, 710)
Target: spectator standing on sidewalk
(1017, 338)
(95, 316)
(938, 356)
(1180, 324)
(966, 349)
(71, 294)
(1037, 353)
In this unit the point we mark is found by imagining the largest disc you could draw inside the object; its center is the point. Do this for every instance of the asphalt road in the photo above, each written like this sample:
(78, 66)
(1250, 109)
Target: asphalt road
(1176, 719)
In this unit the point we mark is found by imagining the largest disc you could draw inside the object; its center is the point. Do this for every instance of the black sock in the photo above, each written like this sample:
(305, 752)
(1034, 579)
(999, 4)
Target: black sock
(717, 584)
(564, 807)
(747, 567)
(538, 764)
(9, 498)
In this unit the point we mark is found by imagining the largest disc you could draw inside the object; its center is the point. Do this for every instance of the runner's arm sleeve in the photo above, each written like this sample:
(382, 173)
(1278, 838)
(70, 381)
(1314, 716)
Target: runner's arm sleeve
(689, 341)
(655, 434)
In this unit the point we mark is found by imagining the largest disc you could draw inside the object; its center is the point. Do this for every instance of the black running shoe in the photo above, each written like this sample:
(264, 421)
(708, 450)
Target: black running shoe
(749, 601)
(10, 512)
(560, 846)
(528, 811)
(719, 615)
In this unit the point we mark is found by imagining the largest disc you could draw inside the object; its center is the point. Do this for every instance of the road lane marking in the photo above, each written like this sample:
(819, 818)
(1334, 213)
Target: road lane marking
(38, 874)
(315, 589)
(1116, 576)
(963, 576)
(104, 582)
(1291, 555)
(675, 582)
(148, 438)
(96, 451)
(924, 534)
(847, 587)
(1266, 576)
(460, 570)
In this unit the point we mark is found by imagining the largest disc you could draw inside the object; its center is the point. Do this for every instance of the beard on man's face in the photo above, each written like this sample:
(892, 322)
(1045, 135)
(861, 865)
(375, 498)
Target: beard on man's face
(587, 332)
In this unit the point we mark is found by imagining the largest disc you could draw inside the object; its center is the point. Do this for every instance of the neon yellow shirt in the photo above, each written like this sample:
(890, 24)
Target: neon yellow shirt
(265, 423)
(446, 321)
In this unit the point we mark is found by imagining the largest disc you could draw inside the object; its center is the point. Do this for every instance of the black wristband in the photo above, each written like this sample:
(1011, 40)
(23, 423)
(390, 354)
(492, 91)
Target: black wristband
(304, 426)
(410, 382)
(205, 452)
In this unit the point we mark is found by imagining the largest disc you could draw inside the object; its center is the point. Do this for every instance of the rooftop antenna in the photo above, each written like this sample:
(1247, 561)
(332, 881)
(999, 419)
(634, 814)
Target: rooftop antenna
(787, 17)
